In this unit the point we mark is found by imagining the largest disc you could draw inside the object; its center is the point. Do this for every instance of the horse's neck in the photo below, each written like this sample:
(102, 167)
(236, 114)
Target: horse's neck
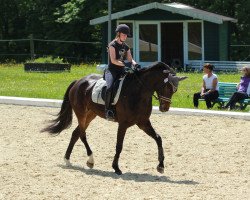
(150, 80)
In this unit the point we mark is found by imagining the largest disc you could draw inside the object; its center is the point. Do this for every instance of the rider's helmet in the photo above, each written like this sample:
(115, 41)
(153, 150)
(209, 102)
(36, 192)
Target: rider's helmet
(123, 28)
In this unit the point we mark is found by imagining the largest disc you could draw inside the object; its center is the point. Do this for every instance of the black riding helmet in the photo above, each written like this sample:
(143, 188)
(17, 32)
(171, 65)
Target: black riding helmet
(123, 28)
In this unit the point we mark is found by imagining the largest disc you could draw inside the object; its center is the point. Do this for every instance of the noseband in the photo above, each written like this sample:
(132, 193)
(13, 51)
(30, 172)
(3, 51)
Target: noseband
(162, 98)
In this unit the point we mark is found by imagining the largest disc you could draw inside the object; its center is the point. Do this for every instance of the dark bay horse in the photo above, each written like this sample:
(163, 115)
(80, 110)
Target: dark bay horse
(133, 107)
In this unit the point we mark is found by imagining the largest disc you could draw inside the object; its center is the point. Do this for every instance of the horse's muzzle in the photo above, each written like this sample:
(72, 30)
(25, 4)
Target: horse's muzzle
(164, 107)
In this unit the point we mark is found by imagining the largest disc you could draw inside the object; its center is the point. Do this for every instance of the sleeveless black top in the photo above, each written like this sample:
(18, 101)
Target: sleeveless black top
(120, 54)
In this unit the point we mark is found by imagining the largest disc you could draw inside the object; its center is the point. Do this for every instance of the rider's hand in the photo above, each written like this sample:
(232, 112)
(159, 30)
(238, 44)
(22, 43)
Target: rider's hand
(137, 67)
(129, 70)
(127, 64)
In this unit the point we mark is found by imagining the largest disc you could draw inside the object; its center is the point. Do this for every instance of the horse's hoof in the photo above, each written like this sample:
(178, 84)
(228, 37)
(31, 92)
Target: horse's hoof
(160, 169)
(67, 162)
(118, 172)
(90, 165)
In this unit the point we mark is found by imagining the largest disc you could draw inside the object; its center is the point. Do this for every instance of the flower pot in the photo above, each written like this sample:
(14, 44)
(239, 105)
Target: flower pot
(46, 67)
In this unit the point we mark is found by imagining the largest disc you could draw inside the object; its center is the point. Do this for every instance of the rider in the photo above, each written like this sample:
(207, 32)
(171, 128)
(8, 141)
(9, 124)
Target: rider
(118, 53)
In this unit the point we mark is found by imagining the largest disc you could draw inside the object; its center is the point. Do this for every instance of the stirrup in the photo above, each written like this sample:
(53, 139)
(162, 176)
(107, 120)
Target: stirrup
(110, 116)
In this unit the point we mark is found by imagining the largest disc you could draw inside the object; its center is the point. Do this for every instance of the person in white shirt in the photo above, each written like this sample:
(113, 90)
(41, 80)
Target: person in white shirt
(210, 89)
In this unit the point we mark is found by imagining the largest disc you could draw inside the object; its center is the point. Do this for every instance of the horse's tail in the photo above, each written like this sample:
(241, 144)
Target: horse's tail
(64, 117)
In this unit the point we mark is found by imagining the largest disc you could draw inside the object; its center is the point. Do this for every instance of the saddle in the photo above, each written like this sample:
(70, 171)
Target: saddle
(99, 90)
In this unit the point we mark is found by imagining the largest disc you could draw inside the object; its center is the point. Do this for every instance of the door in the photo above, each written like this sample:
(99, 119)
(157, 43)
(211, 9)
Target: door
(172, 44)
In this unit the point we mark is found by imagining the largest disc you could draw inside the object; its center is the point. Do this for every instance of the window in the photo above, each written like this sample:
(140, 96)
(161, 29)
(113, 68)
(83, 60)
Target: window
(194, 41)
(148, 42)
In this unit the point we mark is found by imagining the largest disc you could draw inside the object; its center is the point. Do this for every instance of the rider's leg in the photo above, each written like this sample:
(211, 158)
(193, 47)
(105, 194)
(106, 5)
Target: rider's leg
(108, 101)
(108, 96)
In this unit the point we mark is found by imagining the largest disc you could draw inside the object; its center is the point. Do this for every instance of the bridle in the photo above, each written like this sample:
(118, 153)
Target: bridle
(160, 97)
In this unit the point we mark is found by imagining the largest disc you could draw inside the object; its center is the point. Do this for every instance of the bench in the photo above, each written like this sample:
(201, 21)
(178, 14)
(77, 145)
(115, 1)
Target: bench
(226, 90)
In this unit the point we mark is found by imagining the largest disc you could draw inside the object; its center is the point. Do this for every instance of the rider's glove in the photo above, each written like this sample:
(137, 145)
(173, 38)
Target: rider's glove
(129, 70)
(128, 67)
(128, 64)
(136, 67)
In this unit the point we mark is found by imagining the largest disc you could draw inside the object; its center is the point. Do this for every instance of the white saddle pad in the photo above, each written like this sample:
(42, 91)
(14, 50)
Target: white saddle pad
(97, 91)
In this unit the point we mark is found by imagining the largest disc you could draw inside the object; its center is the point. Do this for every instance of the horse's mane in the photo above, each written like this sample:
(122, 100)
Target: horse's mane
(157, 66)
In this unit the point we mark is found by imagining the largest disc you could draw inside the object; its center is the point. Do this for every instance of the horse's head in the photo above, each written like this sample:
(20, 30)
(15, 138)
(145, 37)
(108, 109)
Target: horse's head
(167, 88)
(163, 81)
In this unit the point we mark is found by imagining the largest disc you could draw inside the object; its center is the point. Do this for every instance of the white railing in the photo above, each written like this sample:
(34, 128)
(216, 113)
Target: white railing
(219, 65)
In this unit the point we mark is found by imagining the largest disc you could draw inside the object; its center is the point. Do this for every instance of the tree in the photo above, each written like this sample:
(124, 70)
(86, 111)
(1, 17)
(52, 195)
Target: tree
(69, 20)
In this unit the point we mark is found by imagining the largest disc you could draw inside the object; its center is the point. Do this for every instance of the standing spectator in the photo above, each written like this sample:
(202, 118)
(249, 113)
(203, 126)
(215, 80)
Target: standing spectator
(209, 90)
(243, 89)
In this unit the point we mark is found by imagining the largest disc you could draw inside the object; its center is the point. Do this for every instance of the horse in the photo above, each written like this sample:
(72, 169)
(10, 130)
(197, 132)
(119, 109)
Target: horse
(133, 107)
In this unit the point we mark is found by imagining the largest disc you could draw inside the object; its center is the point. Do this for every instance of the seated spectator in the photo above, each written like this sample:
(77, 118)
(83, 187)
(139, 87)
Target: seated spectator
(209, 90)
(243, 89)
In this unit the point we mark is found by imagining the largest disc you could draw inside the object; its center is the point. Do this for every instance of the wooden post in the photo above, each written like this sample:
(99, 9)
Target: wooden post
(109, 24)
(109, 20)
(32, 49)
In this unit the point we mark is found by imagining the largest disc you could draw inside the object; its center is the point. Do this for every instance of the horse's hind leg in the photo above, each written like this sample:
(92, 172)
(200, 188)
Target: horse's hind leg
(80, 132)
(90, 116)
(149, 130)
(75, 136)
(90, 162)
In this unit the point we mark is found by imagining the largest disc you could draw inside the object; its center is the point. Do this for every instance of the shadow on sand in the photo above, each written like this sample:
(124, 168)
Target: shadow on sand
(129, 176)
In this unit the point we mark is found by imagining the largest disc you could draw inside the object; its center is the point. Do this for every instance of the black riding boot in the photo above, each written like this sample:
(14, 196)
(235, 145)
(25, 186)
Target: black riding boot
(109, 113)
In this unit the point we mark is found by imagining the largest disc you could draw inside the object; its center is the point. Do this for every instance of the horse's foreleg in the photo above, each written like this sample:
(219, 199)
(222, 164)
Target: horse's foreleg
(119, 144)
(149, 130)
(75, 136)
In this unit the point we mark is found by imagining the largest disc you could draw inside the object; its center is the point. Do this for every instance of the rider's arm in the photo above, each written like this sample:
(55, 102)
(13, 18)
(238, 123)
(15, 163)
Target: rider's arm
(130, 58)
(113, 57)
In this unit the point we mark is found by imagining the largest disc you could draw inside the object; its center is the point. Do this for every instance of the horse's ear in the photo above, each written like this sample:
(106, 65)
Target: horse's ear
(181, 78)
(166, 71)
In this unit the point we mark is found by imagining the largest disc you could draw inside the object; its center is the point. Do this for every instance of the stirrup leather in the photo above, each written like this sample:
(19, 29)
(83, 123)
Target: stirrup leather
(110, 115)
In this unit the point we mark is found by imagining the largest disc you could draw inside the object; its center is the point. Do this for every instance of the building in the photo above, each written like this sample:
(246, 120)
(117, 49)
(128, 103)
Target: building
(174, 33)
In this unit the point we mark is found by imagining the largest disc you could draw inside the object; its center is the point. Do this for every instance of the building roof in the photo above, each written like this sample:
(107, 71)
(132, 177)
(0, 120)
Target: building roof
(171, 7)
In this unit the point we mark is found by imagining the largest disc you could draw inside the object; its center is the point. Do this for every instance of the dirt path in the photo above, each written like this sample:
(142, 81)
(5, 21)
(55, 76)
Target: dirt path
(205, 158)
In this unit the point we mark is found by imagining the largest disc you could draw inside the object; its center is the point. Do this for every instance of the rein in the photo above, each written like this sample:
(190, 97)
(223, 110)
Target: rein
(159, 98)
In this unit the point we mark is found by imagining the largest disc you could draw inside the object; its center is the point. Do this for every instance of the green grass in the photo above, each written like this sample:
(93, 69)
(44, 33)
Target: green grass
(14, 81)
